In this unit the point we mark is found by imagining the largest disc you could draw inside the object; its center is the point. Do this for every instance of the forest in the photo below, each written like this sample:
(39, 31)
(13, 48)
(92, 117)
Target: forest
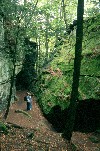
(53, 48)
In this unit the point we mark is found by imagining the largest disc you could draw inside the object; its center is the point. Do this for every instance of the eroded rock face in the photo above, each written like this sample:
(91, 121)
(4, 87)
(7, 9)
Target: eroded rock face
(7, 51)
(5, 74)
(5, 65)
(7, 47)
(27, 75)
(5, 71)
(24, 72)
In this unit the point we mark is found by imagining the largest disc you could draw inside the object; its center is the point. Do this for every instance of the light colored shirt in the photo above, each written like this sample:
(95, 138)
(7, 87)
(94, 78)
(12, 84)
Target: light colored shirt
(29, 98)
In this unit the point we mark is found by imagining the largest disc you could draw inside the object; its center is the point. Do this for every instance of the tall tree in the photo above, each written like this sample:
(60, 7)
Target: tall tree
(46, 37)
(76, 74)
(64, 12)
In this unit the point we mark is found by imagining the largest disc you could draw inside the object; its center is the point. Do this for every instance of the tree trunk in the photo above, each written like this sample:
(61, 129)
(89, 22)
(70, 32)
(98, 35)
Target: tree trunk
(76, 74)
(64, 13)
(46, 37)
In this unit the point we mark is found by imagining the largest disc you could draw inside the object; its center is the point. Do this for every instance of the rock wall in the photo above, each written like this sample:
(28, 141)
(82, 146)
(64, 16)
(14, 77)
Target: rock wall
(5, 71)
(5, 75)
(26, 57)
(4, 81)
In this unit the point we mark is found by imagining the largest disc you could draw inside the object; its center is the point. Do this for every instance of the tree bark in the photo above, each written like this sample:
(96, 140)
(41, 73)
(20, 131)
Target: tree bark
(76, 74)
(64, 13)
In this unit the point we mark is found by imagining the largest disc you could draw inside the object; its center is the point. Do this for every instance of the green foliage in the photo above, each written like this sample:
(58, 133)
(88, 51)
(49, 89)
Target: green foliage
(54, 92)
(94, 139)
(92, 8)
(55, 88)
(98, 131)
(45, 24)
(3, 128)
(30, 135)
(91, 34)
(89, 79)
(74, 147)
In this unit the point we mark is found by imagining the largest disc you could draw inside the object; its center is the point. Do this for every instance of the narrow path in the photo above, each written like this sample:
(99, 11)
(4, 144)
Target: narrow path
(45, 138)
(37, 120)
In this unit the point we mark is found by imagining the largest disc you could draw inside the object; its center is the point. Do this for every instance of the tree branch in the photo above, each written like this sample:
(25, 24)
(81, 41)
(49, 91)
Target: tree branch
(92, 76)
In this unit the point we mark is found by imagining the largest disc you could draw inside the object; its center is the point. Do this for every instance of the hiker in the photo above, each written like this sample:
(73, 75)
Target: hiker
(28, 99)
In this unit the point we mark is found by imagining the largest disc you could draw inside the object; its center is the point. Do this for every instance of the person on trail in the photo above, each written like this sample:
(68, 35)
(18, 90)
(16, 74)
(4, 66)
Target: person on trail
(28, 99)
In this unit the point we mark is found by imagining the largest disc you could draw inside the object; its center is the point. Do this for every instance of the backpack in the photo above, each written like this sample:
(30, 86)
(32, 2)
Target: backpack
(25, 98)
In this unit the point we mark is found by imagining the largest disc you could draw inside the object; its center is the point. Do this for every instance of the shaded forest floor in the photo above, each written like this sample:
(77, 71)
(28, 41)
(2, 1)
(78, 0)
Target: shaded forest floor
(34, 133)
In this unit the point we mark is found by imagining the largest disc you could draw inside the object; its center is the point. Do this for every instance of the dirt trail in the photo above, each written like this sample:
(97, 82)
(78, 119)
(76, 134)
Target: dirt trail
(37, 120)
(45, 138)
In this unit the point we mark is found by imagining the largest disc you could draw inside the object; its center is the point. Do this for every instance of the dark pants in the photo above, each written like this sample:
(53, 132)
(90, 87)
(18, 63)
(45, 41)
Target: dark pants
(29, 105)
